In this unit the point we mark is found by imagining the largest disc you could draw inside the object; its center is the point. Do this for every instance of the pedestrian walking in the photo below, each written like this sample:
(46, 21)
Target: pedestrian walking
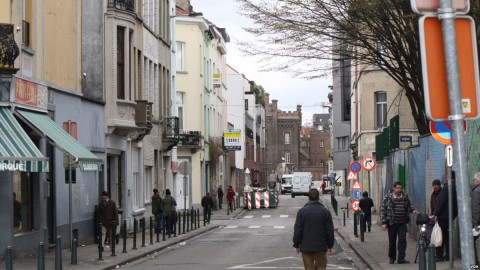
(230, 195)
(207, 203)
(324, 185)
(396, 207)
(441, 216)
(436, 188)
(366, 205)
(169, 210)
(107, 215)
(313, 233)
(476, 211)
(157, 210)
(220, 196)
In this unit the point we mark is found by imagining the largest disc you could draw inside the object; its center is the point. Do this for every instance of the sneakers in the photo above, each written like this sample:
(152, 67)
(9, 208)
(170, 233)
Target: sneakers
(403, 262)
(392, 261)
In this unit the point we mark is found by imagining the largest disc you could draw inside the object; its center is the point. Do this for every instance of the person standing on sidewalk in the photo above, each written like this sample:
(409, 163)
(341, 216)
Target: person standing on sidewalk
(107, 215)
(207, 203)
(220, 196)
(441, 216)
(476, 210)
(313, 233)
(366, 205)
(230, 195)
(437, 187)
(396, 208)
(157, 210)
(169, 210)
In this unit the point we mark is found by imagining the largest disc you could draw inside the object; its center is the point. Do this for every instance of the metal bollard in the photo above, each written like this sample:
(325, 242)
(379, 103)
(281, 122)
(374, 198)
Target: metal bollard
(73, 256)
(113, 237)
(164, 228)
(421, 255)
(362, 227)
(188, 221)
(58, 253)
(143, 231)
(347, 211)
(184, 222)
(198, 218)
(355, 232)
(151, 230)
(344, 224)
(135, 224)
(179, 215)
(41, 256)
(124, 234)
(8, 258)
(99, 239)
(432, 263)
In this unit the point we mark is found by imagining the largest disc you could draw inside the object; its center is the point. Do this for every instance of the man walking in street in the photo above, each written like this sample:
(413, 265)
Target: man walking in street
(157, 210)
(396, 208)
(107, 215)
(476, 211)
(207, 203)
(220, 196)
(441, 216)
(313, 233)
(366, 205)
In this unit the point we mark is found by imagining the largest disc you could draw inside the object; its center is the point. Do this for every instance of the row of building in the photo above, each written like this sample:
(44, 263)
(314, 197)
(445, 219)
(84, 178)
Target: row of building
(126, 96)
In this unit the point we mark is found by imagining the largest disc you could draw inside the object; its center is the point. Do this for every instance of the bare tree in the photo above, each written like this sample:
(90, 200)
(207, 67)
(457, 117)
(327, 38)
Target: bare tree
(298, 35)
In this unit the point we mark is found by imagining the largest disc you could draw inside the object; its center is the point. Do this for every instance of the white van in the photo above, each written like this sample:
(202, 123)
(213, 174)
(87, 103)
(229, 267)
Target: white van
(286, 184)
(301, 183)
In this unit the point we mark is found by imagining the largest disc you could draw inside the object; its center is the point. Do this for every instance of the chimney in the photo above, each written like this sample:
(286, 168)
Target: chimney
(274, 105)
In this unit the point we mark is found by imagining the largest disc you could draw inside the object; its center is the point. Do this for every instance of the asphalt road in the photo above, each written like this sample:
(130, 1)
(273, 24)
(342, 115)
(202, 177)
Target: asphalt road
(257, 239)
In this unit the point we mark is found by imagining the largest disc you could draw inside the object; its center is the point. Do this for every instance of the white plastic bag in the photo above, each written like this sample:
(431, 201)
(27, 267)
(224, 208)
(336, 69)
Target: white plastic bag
(436, 238)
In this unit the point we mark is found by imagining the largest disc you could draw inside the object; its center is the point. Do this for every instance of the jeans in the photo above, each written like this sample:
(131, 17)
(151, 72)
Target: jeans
(314, 260)
(395, 230)
(445, 240)
(368, 220)
(159, 221)
(207, 213)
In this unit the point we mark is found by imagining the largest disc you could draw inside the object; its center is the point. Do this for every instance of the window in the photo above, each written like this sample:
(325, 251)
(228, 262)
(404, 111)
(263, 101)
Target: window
(287, 137)
(322, 144)
(22, 205)
(137, 200)
(287, 156)
(180, 111)
(342, 143)
(381, 109)
(147, 183)
(120, 62)
(180, 56)
(246, 104)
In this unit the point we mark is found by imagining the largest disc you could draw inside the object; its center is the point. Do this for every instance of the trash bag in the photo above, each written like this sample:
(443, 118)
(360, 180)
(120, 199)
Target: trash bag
(436, 237)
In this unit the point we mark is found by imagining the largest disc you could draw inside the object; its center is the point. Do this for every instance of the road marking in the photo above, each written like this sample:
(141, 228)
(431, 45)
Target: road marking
(248, 217)
(254, 227)
(283, 216)
(279, 227)
(231, 227)
(266, 216)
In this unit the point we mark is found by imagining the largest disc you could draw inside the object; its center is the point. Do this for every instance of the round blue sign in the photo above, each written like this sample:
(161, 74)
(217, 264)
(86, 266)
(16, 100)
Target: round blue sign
(355, 166)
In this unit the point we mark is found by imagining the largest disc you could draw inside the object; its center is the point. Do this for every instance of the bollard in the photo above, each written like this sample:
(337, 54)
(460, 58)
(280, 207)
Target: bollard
(164, 228)
(124, 234)
(113, 237)
(99, 239)
(421, 255)
(362, 227)
(151, 230)
(188, 221)
(41, 256)
(347, 211)
(432, 263)
(198, 218)
(8, 258)
(142, 222)
(135, 224)
(179, 215)
(58, 253)
(73, 255)
(355, 232)
(192, 220)
(344, 224)
(184, 222)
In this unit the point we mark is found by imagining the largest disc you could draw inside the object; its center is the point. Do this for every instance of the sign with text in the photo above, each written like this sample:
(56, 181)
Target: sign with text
(231, 140)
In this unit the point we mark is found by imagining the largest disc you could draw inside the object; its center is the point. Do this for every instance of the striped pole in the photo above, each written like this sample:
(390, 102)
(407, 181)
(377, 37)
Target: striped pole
(266, 199)
(276, 199)
(249, 202)
(257, 200)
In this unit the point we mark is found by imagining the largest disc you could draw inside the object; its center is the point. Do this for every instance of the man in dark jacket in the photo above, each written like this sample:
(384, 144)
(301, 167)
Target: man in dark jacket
(169, 210)
(366, 205)
(157, 210)
(441, 216)
(107, 215)
(313, 232)
(207, 203)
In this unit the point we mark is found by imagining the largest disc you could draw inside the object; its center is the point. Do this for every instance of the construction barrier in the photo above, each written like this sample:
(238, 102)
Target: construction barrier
(262, 199)
(257, 199)
(266, 199)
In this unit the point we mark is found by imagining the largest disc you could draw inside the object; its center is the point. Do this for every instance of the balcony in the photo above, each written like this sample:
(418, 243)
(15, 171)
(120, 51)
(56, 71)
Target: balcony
(190, 139)
(8, 48)
(127, 5)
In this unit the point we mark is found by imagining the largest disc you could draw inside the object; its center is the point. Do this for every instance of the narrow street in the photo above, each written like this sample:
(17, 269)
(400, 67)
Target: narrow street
(257, 239)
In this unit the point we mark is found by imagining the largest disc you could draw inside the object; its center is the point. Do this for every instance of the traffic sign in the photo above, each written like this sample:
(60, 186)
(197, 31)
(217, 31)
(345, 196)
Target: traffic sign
(434, 67)
(449, 155)
(356, 205)
(356, 185)
(442, 131)
(352, 176)
(355, 166)
(369, 163)
(432, 6)
(356, 194)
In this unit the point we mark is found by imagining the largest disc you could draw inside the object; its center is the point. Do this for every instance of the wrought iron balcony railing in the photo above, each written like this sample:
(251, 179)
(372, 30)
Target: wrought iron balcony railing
(128, 5)
(8, 48)
(170, 127)
(190, 138)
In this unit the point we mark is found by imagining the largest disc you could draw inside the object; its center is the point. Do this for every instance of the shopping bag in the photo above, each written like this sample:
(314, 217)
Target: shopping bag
(436, 237)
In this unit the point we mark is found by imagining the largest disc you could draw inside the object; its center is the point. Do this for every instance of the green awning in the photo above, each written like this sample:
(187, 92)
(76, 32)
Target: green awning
(87, 160)
(17, 151)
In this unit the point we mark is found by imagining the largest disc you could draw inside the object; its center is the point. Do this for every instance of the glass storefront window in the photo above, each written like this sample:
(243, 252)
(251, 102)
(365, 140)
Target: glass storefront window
(22, 202)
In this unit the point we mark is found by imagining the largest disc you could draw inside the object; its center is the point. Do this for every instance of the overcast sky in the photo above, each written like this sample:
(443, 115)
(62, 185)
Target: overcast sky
(281, 86)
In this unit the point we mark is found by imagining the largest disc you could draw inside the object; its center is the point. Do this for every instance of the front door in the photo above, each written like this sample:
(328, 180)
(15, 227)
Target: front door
(183, 184)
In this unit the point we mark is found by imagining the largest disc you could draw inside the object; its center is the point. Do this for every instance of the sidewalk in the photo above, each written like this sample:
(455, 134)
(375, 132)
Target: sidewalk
(88, 255)
(374, 250)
